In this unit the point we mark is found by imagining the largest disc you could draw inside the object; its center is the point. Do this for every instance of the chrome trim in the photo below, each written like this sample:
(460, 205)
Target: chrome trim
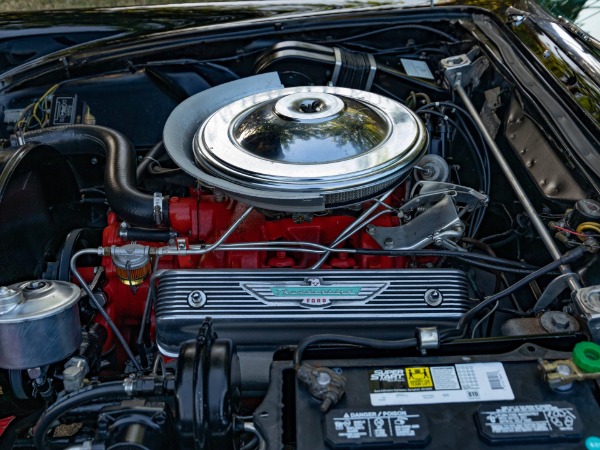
(350, 180)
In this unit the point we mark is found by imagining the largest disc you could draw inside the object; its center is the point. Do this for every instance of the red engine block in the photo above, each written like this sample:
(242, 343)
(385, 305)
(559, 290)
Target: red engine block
(201, 218)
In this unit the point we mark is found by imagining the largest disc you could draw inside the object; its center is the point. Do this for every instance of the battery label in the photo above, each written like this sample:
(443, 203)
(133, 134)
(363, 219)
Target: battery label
(457, 383)
(418, 377)
(392, 426)
(537, 422)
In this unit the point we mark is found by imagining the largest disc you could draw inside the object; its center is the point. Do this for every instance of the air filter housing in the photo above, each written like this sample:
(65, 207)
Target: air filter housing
(307, 148)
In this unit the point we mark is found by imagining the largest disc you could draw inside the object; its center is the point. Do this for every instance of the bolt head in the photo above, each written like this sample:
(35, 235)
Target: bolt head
(196, 299)
(323, 378)
(561, 321)
(160, 418)
(563, 369)
(37, 284)
(433, 297)
(34, 373)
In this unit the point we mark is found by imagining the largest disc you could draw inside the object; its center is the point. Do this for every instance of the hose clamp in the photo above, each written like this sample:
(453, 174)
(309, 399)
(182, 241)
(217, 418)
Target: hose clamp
(128, 386)
(157, 207)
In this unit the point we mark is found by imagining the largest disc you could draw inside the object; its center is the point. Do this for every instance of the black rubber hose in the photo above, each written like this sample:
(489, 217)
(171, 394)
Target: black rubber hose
(465, 256)
(461, 329)
(567, 258)
(142, 234)
(352, 340)
(130, 204)
(103, 392)
(153, 154)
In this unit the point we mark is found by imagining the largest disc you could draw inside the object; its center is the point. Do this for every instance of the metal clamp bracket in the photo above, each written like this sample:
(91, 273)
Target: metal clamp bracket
(438, 224)
(433, 191)
(465, 69)
(427, 338)
(553, 290)
(158, 204)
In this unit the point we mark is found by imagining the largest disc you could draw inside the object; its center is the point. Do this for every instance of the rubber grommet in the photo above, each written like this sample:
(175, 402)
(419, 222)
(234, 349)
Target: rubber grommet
(586, 356)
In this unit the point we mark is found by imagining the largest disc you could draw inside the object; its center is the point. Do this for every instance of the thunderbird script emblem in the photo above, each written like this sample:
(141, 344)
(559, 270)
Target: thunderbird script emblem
(314, 293)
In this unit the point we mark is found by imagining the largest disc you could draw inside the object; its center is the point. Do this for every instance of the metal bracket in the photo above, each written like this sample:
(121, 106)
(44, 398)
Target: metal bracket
(588, 302)
(438, 224)
(433, 191)
(465, 69)
(427, 338)
(553, 290)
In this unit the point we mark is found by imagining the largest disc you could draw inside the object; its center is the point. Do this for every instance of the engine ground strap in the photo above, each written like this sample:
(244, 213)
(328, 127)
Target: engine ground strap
(353, 70)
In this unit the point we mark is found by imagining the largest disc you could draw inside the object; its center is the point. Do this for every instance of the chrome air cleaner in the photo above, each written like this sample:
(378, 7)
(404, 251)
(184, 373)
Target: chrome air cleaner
(306, 148)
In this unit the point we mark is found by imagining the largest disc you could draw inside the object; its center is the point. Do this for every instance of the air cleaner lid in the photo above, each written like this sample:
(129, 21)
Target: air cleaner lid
(310, 128)
(307, 148)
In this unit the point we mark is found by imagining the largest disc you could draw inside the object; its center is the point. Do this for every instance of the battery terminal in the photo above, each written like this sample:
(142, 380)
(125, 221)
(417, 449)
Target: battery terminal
(583, 365)
(323, 384)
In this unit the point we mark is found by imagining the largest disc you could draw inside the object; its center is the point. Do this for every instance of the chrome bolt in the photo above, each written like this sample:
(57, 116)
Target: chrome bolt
(196, 299)
(433, 297)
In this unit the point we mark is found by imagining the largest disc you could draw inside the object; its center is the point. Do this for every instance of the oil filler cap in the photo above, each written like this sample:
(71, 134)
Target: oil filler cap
(586, 356)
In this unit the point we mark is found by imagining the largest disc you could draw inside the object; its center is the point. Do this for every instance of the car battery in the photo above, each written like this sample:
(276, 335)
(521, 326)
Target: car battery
(441, 402)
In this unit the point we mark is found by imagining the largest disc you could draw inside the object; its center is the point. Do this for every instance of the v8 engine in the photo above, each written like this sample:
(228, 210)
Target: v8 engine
(309, 237)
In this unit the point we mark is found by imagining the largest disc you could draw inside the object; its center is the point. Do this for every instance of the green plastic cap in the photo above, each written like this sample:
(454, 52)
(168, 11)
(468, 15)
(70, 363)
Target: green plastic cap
(586, 356)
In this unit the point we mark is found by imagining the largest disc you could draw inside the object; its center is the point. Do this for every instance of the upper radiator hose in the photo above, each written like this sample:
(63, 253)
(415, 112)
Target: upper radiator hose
(124, 198)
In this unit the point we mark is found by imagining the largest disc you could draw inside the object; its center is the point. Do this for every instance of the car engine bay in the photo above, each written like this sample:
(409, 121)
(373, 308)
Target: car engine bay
(323, 233)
